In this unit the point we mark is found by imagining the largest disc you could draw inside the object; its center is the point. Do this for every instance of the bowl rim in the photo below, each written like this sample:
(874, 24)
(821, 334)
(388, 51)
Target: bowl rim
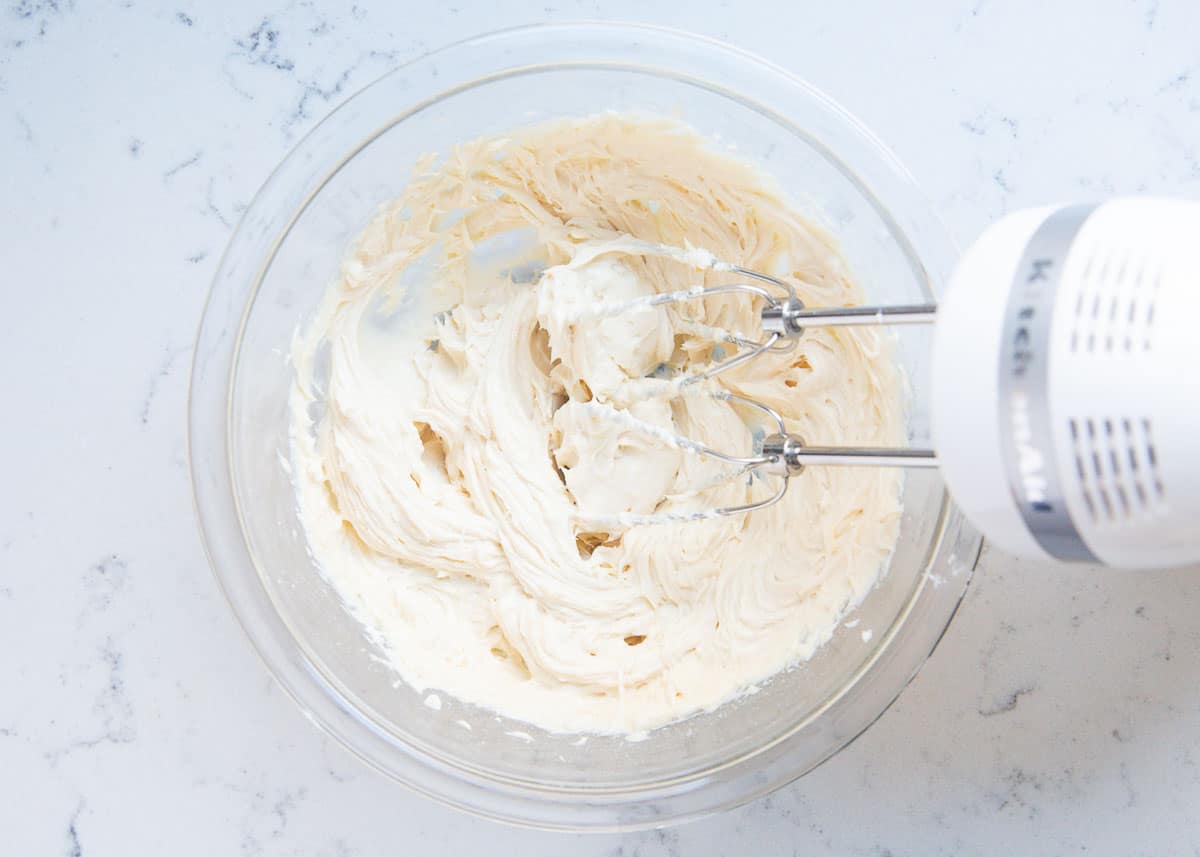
(318, 695)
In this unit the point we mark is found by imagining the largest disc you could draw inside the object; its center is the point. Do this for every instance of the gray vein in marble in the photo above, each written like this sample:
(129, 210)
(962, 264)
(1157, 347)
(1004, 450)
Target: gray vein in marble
(1179, 81)
(982, 125)
(28, 9)
(286, 804)
(33, 18)
(269, 819)
(264, 47)
(25, 128)
(1008, 702)
(1165, 651)
(327, 93)
(212, 207)
(104, 582)
(1021, 793)
(74, 846)
(1151, 14)
(1131, 792)
(112, 709)
(113, 704)
(182, 165)
(164, 370)
(973, 13)
(260, 47)
(312, 90)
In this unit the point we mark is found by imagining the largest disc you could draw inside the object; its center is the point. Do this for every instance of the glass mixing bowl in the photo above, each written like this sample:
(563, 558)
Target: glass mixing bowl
(284, 254)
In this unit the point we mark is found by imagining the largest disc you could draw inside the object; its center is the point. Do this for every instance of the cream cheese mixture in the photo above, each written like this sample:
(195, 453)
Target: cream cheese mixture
(473, 440)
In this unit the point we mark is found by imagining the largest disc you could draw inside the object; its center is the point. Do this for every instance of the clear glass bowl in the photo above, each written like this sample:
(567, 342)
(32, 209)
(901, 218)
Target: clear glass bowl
(284, 254)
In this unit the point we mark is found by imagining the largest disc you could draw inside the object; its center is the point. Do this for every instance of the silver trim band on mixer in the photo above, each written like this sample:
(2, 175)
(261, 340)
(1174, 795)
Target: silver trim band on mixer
(1026, 433)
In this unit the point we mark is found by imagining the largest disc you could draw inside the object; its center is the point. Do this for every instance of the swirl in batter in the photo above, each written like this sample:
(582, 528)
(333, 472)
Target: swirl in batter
(465, 431)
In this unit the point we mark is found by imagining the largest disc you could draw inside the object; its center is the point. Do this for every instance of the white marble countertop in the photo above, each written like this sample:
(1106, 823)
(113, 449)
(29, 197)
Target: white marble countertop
(1061, 711)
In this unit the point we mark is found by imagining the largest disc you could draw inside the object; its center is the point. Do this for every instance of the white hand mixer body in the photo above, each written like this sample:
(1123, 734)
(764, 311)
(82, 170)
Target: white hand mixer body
(1065, 400)
(1065, 396)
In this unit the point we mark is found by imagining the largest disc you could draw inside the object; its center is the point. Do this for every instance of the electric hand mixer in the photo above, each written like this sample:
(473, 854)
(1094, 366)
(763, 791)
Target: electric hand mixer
(1065, 396)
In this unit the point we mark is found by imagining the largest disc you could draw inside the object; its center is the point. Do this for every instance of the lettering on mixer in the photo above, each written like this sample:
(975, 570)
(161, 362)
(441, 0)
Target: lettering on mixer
(1022, 354)
(1039, 270)
(1031, 464)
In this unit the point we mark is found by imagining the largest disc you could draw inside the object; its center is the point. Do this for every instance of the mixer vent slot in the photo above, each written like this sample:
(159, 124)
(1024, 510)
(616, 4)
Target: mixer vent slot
(1117, 467)
(1114, 305)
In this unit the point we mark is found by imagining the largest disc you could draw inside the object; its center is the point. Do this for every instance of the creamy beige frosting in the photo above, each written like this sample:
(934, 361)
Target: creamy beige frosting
(469, 425)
